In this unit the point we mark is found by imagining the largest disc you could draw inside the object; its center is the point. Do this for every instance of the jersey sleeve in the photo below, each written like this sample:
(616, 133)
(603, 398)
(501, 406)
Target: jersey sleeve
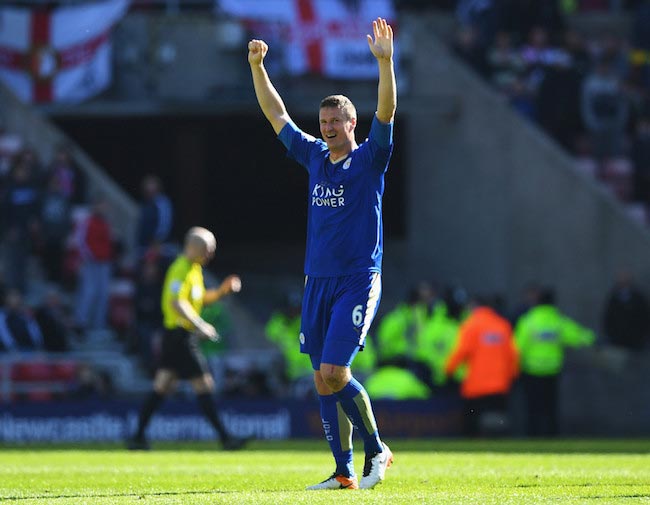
(301, 146)
(377, 149)
(381, 133)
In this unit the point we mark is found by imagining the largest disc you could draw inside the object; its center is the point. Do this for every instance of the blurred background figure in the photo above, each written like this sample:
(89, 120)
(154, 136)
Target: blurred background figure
(19, 331)
(95, 241)
(156, 217)
(148, 313)
(604, 108)
(400, 331)
(486, 346)
(283, 330)
(541, 336)
(626, 317)
(19, 212)
(70, 179)
(439, 337)
(56, 220)
(55, 323)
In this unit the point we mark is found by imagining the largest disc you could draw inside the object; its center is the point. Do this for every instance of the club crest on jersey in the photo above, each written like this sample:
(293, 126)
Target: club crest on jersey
(324, 195)
(347, 163)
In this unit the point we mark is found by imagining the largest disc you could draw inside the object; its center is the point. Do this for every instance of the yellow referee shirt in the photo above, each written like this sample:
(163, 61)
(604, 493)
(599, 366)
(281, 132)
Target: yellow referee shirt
(183, 281)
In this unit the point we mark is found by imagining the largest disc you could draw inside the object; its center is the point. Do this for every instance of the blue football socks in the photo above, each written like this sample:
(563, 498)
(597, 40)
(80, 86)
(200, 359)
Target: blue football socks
(338, 432)
(356, 404)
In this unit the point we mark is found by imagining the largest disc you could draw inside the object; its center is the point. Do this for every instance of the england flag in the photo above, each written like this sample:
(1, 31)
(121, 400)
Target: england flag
(325, 37)
(58, 55)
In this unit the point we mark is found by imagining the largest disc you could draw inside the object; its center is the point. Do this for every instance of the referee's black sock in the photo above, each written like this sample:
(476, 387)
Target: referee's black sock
(150, 405)
(207, 407)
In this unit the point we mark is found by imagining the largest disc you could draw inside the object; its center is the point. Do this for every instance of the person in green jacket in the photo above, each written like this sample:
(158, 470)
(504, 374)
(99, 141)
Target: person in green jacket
(283, 329)
(396, 383)
(541, 335)
(399, 336)
(366, 360)
(439, 336)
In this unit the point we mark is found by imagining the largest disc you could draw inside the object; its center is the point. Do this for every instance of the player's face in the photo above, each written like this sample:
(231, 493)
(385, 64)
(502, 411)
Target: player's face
(336, 128)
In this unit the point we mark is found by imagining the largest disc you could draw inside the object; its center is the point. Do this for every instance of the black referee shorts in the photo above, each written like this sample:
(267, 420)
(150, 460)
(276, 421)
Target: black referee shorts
(180, 353)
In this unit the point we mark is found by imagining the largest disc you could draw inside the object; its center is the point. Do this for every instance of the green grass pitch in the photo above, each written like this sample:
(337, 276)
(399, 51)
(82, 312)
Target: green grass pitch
(431, 471)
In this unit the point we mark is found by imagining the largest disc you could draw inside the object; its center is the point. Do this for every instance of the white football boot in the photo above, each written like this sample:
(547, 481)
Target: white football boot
(374, 468)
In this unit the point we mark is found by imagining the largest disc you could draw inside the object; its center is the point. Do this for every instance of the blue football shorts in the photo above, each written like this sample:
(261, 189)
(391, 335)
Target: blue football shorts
(336, 315)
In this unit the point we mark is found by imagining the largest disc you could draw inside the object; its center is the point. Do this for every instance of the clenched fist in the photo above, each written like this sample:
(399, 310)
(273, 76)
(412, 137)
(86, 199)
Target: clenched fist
(257, 50)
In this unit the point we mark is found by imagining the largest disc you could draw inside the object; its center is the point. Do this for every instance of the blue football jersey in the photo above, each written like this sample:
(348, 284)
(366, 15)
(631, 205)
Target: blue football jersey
(344, 224)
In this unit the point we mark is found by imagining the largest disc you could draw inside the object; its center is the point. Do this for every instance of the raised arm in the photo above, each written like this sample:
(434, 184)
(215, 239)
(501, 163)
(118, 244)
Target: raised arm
(270, 101)
(382, 49)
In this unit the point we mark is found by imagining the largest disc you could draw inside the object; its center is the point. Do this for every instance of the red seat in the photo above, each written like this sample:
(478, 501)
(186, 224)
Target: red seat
(31, 371)
(42, 380)
(64, 371)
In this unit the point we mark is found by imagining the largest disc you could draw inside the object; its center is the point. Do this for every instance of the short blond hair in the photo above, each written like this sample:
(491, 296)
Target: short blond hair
(340, 102)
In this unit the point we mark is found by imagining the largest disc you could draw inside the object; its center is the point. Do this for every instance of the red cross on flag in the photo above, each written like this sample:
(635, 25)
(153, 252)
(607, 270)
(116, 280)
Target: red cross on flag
(317, 36)
(61, 54)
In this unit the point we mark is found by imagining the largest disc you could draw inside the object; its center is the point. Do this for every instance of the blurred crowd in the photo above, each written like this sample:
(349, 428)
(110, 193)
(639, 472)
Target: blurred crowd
(591, 93)
(64, 282)
(441, 342)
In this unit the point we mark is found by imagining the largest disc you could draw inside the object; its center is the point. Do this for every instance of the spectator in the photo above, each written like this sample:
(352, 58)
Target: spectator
(604, 110)
(482, 16)
(19, 331)
(641, 159)
(486, 345)
(522, 99)
(504, 61)
(440, 337)
(19, 211)
(469, 49)
(10, 146)
(641, 21)
(558, 100)
(71, 180)
(54, 323)
(398, 334)
(96, 251)
(56, 219)
(366, 360)
(614, 49)
(576, 48)
(538, 56)
(147, 309)
(640, 56)
(156, 214)
(29, 157)
(283, 329)
(541, 335)
(627, 314)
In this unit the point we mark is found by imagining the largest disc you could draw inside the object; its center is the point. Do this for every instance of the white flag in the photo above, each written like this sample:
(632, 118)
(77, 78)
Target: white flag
(319, 36)
(61, 54)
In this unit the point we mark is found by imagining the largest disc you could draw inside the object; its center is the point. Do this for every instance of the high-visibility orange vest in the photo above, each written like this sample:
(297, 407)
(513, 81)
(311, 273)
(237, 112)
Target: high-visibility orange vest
(486, 344)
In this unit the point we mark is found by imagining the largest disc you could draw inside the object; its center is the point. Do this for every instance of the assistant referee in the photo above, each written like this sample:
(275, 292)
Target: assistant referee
(183, 296)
